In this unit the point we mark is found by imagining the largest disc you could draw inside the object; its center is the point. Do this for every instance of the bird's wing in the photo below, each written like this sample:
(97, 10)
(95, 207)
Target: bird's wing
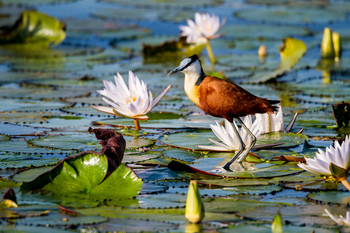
(225, 99)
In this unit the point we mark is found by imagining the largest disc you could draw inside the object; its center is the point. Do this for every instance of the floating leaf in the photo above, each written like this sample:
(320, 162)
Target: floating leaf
(331, 197)
(291, 51)
(291, 15)
(73, 176)
(35, 28)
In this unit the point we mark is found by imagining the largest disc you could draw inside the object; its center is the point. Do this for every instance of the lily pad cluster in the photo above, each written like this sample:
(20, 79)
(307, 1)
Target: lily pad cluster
(45, 116)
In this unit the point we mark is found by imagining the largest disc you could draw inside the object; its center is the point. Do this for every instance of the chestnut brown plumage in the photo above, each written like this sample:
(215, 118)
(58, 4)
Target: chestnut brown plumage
(221, 98)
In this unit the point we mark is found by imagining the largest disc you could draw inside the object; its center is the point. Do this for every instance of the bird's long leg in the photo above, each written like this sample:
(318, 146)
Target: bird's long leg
(228, 164)
(252, 142)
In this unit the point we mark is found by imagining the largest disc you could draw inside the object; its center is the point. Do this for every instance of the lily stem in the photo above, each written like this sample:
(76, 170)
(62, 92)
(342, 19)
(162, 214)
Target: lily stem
(210, 52)
(137, 124)
(346, 183)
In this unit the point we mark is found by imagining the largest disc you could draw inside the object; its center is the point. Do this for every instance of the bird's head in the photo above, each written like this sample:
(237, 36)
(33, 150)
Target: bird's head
(190, 65)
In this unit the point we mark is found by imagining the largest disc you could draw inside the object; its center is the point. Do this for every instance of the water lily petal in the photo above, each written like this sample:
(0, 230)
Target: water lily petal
(213, 148)
(224, 146)
(160, 96)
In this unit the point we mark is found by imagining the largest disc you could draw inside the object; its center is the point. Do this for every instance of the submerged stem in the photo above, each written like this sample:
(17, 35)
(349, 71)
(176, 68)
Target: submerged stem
(210, 52)
(137, 124)
(346, 183)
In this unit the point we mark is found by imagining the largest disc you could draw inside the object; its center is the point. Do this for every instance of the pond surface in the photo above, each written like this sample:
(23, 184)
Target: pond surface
(46, 97)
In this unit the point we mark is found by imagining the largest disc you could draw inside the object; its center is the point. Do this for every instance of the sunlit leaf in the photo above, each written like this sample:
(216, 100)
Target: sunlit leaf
(291, 51)
(85, 174)
(35, 28)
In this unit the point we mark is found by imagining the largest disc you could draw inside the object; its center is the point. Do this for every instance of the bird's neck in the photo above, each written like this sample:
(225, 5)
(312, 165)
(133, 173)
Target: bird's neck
(193, 80)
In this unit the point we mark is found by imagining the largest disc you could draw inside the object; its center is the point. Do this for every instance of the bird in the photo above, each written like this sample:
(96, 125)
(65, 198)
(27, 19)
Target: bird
(222, 98)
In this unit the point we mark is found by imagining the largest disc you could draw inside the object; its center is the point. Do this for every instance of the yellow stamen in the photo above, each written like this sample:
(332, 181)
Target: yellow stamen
(131, 99)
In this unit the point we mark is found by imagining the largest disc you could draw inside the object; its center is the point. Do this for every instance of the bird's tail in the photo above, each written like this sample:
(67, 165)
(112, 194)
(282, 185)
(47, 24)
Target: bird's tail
(273, 102)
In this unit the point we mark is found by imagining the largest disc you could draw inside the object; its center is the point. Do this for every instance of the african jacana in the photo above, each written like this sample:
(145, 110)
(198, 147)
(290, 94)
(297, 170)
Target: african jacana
(221, 98)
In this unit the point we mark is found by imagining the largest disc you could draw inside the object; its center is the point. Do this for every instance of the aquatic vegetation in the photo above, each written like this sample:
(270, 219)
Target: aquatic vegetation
(202, 30)
(45, 116)
(134, 101)
(335, 161)
(194, 206)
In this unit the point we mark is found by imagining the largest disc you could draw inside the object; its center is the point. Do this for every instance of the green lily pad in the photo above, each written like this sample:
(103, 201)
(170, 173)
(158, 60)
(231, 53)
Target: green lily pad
(307, 214)
(230, 205)
(20, 105)
(19, 146)
(244, 31)
(267, 228)
(57, 220)
(157, 4)
(73, 176)
(136, 157)
(67, 142)
(288, 139)
(35, 28)
(291, 15)
(133, 225)
(30, 229)
(135, 143)
(15, 160)
(330, 197)
(291, 51)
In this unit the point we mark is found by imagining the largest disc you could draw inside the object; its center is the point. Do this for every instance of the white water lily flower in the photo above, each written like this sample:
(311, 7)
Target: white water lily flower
(134, 101)
(230, 141)
(337, 154)
(204, 28)
(340, 220)
(271, 122)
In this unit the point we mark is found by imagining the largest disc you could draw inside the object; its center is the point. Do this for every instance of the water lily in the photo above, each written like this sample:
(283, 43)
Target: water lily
(271, 122)
(340, 220)
(204, 28)
(134, 101)
(229, 141)
(328, 163)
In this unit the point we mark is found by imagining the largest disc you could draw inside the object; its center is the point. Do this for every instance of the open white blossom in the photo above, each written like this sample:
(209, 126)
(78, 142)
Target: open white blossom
(271, 122)
(337, 154)
(205, 27)
(340, 220)
(229, 140)
(134, 101)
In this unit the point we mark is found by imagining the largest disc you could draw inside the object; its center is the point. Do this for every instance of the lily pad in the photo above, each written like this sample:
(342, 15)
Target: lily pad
(35, 28)
(157, 4)
(77, 142)
(132, 225)
(291, 51)
(73, 176)
(288, 139)
(330, 197)
(291, 15)
(57, 220)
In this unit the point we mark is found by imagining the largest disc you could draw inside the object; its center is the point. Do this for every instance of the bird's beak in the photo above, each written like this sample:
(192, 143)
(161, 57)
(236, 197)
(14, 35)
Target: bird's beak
(177, 69)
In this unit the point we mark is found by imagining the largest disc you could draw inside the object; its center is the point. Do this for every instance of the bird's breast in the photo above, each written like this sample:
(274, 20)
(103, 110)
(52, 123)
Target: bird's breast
(193, 93)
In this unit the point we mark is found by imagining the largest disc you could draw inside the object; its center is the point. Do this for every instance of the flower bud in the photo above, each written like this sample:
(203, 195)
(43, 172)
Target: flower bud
(194, 205)
(262, 51)
(7, 203)
(327, 50)
(336, 45)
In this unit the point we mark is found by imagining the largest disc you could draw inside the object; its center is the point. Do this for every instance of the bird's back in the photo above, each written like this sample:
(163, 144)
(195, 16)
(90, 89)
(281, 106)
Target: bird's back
(225, 99)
